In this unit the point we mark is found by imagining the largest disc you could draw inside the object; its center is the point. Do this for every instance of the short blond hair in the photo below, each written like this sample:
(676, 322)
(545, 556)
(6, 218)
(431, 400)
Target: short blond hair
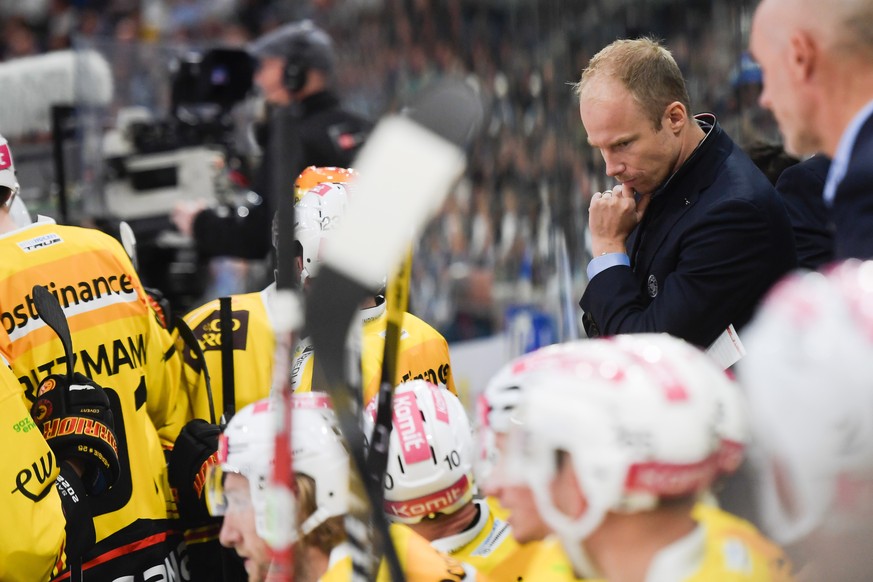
(646, 69)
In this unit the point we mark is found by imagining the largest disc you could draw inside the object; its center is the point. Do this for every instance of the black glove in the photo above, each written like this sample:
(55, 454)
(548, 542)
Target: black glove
(196, 448)
(76, 421)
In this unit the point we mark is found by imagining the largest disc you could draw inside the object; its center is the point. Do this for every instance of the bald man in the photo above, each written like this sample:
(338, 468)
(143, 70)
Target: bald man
(817, 59)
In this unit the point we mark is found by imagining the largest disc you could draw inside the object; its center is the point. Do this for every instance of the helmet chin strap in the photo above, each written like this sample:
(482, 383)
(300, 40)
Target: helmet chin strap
(583, 565)
(572, 532)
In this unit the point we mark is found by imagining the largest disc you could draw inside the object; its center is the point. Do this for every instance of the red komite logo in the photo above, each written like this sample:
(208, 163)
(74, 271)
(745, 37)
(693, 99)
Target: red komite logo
(5, 157)
(439, 402)
(429, 504)
(672, 479)
(410, 429)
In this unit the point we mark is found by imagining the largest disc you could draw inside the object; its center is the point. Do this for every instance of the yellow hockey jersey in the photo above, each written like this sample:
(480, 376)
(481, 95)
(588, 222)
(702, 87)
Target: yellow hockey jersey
(424, 354)
(734, 551)
(117, 341)
(254, 346)
(488, 546)
(724, 548)
(419, 561)
(32, 537)
(543, 561)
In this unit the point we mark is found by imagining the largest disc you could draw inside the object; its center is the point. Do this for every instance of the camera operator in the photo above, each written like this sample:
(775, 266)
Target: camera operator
(307, 126)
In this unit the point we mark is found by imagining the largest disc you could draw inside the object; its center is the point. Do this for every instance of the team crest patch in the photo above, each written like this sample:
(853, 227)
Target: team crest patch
(653, 286)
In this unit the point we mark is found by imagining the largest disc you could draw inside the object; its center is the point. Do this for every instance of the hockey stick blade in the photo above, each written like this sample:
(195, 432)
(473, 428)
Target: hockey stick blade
(128, 241)
(50, 311)
(405, 170)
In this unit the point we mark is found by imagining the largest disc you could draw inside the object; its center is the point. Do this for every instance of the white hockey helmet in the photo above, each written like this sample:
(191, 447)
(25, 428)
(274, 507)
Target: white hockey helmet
(247, 447)
(636, 433)
(732, 422)
(807, 375)
(494, 408)
(7, 167)
(430, 454)
(319, 211)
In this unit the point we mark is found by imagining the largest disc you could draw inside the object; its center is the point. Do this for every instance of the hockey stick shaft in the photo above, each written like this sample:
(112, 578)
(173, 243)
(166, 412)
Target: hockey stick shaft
(405, 171)
(397, 301)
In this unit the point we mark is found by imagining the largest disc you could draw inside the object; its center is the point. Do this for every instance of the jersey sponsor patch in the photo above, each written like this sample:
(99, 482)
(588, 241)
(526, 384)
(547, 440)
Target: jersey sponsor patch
(87, 294)
(493, 540)
(209, 332)
(40, 242)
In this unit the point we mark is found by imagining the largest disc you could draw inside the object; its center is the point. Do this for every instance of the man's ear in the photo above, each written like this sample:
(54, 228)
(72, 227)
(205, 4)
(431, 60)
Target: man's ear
(803, 55)
(675, 116)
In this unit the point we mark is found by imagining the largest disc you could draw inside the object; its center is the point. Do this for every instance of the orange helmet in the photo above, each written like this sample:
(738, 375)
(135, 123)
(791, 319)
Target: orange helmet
(315, 175)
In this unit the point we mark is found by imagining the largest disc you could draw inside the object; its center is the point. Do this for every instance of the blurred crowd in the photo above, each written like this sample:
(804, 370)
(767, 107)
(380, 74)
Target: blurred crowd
(532, 172)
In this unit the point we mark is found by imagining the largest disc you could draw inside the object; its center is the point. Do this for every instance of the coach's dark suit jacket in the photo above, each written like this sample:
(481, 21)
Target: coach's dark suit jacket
(713, 240)
(801, 187)
(852, 210)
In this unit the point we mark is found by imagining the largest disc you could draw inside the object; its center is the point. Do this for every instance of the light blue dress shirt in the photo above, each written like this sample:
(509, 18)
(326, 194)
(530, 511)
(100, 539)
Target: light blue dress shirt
(599, 264)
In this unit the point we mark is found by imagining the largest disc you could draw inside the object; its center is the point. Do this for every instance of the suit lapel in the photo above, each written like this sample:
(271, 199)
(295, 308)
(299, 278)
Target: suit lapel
(680, 195)
(659, 228)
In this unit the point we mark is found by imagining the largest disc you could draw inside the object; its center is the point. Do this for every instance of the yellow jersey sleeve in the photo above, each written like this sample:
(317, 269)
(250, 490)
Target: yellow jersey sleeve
(736, 552)
(32, 536)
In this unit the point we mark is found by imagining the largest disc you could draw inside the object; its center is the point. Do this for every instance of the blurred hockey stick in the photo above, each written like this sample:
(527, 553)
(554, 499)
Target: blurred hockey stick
(128, 241)
(424, 151)
(569, 328)
(397, 300)
(287, 318)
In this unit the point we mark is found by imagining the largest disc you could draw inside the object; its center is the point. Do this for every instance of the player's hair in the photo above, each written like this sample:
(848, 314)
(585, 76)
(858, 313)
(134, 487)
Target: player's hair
(770, 158)
(646, 69)
(329, 534)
